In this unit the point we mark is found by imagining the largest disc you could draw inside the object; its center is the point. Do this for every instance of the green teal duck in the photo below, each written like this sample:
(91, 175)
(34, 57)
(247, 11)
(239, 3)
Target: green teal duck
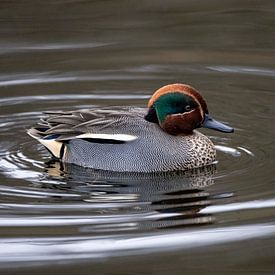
(161, 137)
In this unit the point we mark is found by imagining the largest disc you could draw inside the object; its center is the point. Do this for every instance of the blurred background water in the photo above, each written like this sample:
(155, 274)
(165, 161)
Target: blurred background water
(76, 54)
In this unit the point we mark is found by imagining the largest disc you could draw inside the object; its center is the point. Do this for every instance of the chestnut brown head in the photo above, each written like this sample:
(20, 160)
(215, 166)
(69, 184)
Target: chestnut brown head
(179, 109)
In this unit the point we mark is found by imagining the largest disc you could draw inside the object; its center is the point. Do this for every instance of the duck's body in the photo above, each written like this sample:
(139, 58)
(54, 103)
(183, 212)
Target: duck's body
(128, 138)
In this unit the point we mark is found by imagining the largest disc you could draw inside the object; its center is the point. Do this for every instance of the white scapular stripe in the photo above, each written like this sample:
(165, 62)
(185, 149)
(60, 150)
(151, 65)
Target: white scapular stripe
(121, 137)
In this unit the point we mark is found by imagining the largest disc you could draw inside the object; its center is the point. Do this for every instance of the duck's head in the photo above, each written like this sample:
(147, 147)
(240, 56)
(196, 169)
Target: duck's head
(179, 109)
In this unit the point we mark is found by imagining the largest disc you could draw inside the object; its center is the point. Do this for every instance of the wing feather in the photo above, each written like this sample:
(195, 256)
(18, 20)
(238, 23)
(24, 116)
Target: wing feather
(102, 123)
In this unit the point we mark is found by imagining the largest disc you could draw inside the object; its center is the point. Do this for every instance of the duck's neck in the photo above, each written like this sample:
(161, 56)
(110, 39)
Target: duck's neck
(151, 115)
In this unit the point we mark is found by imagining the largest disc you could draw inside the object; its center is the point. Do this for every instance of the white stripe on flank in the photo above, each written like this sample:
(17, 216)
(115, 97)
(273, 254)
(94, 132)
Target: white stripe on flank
(121, 137)
(55, 146)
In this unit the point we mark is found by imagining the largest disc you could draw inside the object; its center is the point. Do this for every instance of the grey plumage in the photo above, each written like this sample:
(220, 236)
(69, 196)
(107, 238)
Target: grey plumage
(153, 150)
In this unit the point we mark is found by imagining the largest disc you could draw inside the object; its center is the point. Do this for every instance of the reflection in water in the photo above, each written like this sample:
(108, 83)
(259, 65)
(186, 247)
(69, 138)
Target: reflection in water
(141, 201)
(112, 213)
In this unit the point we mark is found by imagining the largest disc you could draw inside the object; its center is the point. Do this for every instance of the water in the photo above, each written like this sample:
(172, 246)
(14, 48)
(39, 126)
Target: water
(77, 54)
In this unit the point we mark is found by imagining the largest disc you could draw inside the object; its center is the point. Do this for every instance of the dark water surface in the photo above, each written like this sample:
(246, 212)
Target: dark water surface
(75, 54)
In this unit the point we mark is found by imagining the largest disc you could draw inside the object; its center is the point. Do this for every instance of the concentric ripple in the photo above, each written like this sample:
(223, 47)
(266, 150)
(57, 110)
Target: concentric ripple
(75, 213)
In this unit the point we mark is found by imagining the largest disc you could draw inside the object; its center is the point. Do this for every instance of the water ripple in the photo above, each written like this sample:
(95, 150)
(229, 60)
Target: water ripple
(78, 248)
(8, 101)
(243, 70)
(248, 205)
(106, 214)
(25, 48)
(55, 77)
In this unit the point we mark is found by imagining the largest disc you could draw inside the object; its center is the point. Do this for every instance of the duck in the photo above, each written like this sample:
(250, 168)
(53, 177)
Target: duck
(162, 137)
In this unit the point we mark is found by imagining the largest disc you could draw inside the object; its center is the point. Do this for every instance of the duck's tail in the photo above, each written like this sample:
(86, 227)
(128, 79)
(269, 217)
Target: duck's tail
(56, 148)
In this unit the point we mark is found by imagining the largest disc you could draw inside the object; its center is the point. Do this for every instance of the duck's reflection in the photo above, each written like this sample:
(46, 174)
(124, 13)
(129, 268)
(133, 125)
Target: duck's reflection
(131, 201)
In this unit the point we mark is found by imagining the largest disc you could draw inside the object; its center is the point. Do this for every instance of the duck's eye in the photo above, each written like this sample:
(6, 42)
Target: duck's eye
(187, 108)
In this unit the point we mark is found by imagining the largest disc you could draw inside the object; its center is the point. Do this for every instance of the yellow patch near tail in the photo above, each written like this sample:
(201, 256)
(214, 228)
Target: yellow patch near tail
(52, 145)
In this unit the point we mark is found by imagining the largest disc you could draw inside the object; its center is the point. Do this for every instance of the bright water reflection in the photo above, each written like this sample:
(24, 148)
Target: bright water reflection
(56, 249)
